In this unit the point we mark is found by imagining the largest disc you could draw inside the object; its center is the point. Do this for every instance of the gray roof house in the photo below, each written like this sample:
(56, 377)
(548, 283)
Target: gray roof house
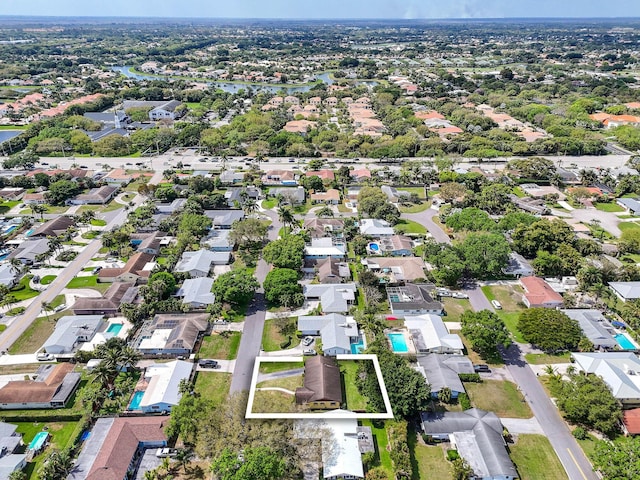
(375, 228)
(224, 218)
(165, 111)
(334, 298)
(10, 443)
(626, 290)
(518, 266)
(171, 334)
(630, 204)
(619, 370)
(337, 331)
(95, 196)
(413, 299)
(27, 251)
(172, 207)
(477, 435)
(294, 195)
(196, 292)
(393, 194)
(8, 275)
(218, 241)
(198, 264)
(430, 335)
(595, 327)
(231, 177)
(442, 371)
(72, 330)
(163, 385)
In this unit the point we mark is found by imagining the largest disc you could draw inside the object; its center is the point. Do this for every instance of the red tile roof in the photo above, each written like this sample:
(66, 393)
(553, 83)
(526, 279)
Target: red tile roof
(539, 292)
(631, 420)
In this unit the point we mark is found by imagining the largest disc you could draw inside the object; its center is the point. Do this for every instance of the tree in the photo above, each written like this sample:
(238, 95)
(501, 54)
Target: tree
(287, 252)
(546, 235)
(280, 282)
(57, 465)
(444, 395)
(486, 332)
(185, 418)
(325, 211)
(38, 209)
(286, 216)
(461, 469)
(471, 219)
(373, 203)
(451, 191)
(259, 463)
(549, 330)
(249, 230)
(534, 168)
(61, 191)
(485, 254)
(235, 287)
(494, 198)
(162, 284)
(619, 459)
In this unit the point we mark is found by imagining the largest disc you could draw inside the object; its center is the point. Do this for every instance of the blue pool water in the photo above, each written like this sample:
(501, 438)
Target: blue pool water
(357, 348)
(374, 247)
(38, 441)
(135, 401)
(624, 342)
(10, 229)
(114, 328)
(29, 232)
(398, 342)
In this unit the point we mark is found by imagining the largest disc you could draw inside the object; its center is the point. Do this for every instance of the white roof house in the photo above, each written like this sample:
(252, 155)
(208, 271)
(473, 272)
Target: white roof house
(334, 298)
(163, 382)
(8, 274)
(430, 335)
(619, 370)
(626, 290)
(72, 330)
(335, 330)
(198, 264)
(324, 247)
(375, 228)
(197, 292)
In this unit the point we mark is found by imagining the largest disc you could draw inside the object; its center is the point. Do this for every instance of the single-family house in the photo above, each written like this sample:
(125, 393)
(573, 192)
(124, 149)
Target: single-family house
(116, 447)
(224, 219)
(518, 266)
(330, 197)
(196, 292)
(53, 387)
(395, 245)
(229, 177)
(443, 371)
(341, 453)
(396, 270)
(170, 208)
(332, 270)
(72, 330)
(37, 198)
(321, 389)
(324, 175)
(235, 196)
(619, 370)
(137, 269)
(413, 299)
(218, 241)
(8, 275)
(29, 251)
(109, 304)
(12, 193)
(631, 205)
(595, 327)
(280, 177)
(167, 111)
(360, 174)
(477, 436)
(171, 334)
(337, 332)
(538, 293)
(200, 263)
(334, 298)
(626, 290)
(430, 335)
(118, 177)
(324, 227)
(147, 242)
(292, 195)
(53, 228)
(325, 247)
(95, 196)
(11, 459)
(163, 385)
(393, 194)
(375, 228)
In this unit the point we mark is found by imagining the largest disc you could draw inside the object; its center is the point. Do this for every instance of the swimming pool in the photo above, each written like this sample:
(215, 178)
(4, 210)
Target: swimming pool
(398, 342)
(29, 232)
(374, 247)
(358, 347)
(624, 341)
(38, 441)
(114, 328)
(9, 229)
(135, 401)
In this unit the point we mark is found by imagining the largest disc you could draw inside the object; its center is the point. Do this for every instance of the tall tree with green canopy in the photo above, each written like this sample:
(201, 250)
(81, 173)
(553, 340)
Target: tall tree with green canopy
(550, 330)
(259, 463)
(486, 332)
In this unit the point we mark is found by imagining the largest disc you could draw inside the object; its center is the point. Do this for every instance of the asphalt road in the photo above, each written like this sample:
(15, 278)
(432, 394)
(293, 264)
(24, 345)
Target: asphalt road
(426, 218)
(251, 340)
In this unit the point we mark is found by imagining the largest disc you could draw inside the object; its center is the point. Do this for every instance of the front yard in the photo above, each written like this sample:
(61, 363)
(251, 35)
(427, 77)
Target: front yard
(428, 461)
(510, 297)
(33, 337)
(501, 397)
(223, 346)
(535, 459)
(272, 338)
(213, 386)
(90, 281)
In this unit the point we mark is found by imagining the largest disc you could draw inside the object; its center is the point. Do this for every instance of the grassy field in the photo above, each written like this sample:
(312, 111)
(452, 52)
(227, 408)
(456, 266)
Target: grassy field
(220, 346)
(23, 291)
(33, 337)
(47, 279)
(608, 207)
(409, 226)
(289, 383)
(269, 204)
(272, 338)
(213, 386)
(270, 367)
(417, 190)
(380, 441)
(273, 401)
(545, 359)
(60, 435)
(97, 222)
(352, 397)
(420, 207)
(428, 461)
(535, 459)
(90, 281)
(628, 226)
(497, 396)
(511, 300)
(455, 308)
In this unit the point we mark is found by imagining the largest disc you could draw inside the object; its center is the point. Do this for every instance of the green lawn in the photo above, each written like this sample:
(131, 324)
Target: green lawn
(272, 338)
(535, 459)
(497, 396)
(417, 190)
(97, 222)
(511, 322)
(628, 226)
(213, 386)
(455, 308)
(427, 461)
(221, 346)
(270, 367)
(60, 432)
(90, 281)
(23, 291)
(90, 235)
(100, 208)
(409, 226)
(47, 279)
(511, 300)
(517, 191)
(608, 207)
(34, 336)
(544, 359)
(381, 441)
(354, 400)
(588, 446)
(420, 207)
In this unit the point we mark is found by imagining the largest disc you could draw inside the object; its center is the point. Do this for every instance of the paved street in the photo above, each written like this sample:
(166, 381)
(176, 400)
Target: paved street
(426, 218)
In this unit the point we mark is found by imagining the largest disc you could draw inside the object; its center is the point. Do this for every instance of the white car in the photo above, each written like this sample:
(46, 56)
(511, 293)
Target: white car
(309, 352)
(59, 308)
(306, 341)
(166, 452)
(45, 357)
(496, 304)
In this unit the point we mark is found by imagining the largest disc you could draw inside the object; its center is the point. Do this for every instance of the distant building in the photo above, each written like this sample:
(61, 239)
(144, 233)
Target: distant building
(518, 266)
(166, 111)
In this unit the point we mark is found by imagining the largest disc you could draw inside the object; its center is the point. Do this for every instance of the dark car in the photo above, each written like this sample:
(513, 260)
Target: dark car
(207, 363)
(481, 368)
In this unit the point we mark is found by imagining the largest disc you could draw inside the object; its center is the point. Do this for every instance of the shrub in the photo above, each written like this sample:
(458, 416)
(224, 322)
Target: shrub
(463, 400)
(452, 455)
(580, 433)
(470, 377)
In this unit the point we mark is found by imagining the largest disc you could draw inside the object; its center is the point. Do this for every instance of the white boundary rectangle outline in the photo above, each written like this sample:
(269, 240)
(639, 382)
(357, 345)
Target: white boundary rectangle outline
(339, 414)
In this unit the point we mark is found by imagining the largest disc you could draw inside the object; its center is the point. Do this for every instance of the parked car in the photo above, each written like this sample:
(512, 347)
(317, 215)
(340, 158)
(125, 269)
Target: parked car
(96, 270)
(45, 357)
(208, 363)
(459, 295)
(59, 308)
(496, 304)
(166, 452)
(306, 341)
(309, 352)
(481, 368)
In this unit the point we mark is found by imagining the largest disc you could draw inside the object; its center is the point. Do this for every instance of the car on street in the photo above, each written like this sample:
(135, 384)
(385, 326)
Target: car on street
(208, 363)
(45, 357)
(306, 341)
(309, 352)
(459, 295)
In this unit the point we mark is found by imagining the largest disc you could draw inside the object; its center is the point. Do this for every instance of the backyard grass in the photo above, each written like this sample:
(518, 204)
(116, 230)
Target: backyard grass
(47, 279)
(23, 291)
(500, 397)
(535, 459)
(60, 432)
(409, 226)
(269, 204)
(271, 367)
(273, 401)
(288, 383)
(427, 461)
(624, 226)
(90, 281)
(454, 308)
(55, 209)
(352, 397)
(33, 337)
(381, 441)
(608, 207)
(272, 338)
(221, 346)
(420, 207)
(100, 208)
(417, 190)
(545, 359)
(213, 386)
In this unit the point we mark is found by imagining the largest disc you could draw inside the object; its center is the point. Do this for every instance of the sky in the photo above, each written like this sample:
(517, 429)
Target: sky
(309, 9)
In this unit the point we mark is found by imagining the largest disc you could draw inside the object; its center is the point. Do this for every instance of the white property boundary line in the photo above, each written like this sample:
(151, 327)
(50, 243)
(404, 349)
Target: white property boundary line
(337, 414)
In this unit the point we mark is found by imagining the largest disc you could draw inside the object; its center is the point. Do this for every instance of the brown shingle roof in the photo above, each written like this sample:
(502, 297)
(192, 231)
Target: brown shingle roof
(110, 301)
(53, 227)
(134, 265)
(321, 381)
(35, 391)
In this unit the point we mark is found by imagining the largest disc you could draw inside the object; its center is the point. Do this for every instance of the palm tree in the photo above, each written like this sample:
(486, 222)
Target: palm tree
(47, 307)
(54, 243)
(38, 209)
(286, 217)
(184, 457)
(249, 206)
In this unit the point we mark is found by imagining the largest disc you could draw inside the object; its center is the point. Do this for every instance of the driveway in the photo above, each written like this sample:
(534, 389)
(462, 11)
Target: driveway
(226, 366)
(426, 218)
(522, 425)
(609, 221)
